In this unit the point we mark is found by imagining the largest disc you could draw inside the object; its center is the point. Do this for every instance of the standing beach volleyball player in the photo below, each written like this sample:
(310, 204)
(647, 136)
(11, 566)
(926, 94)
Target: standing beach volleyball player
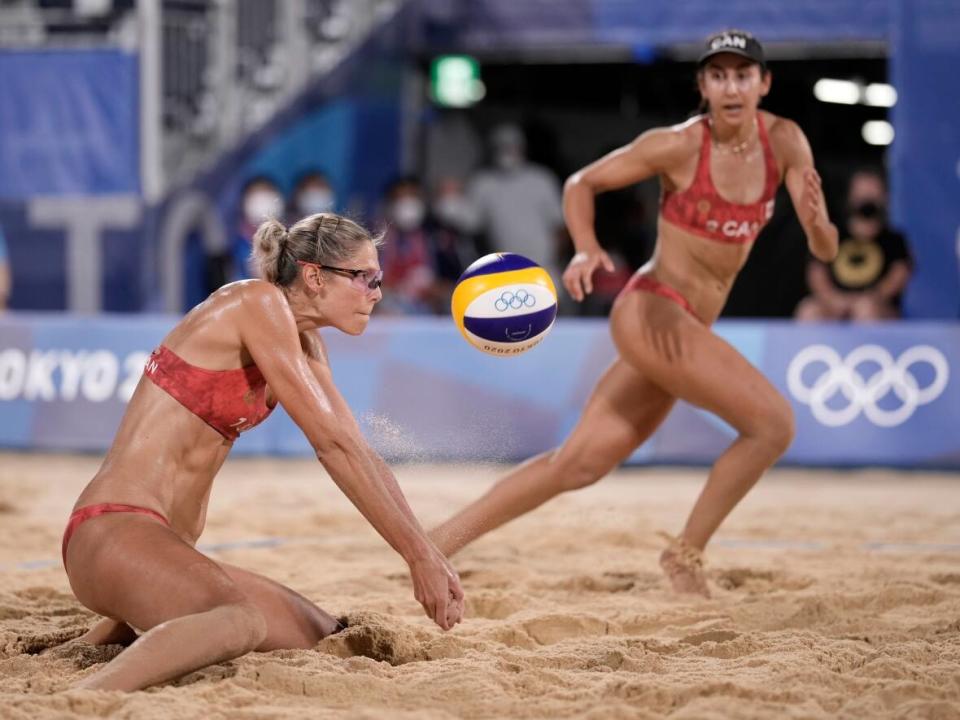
(719, 173)
(129, 548)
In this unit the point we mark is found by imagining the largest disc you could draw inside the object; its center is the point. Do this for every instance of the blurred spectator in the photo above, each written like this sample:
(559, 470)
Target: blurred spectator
(452, 147)
(872, 267)
(406, 256)
(260, 199)
(420, 263)
(312, 194)
(518, 204)
(453, 218)
(5, 278)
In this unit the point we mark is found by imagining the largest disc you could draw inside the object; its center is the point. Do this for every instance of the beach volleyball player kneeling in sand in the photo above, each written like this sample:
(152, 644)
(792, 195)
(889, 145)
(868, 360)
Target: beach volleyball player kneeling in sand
(129, 545)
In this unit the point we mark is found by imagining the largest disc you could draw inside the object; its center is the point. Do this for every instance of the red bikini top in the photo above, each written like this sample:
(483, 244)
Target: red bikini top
(700, 210)
(229, 401)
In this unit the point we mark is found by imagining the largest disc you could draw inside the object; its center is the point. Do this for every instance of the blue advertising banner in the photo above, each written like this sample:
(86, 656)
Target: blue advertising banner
(69, 123)
(882, 394)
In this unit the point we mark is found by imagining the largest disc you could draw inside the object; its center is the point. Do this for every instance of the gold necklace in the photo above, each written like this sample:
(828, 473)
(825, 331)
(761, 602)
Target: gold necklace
(737, 149)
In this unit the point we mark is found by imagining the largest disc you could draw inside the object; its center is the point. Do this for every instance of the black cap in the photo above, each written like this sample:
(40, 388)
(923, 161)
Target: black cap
(738, 42)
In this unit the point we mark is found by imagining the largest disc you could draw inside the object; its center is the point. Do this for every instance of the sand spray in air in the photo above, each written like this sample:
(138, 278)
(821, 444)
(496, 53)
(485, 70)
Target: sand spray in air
(487, 440)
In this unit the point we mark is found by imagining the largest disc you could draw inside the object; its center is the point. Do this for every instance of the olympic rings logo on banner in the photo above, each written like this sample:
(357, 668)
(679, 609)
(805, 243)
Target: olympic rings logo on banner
(516, 300)
(863, 392)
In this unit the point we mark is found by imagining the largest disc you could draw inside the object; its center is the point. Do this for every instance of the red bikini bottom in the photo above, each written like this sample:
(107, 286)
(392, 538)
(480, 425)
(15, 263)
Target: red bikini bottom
(645, 283)
(81, 515)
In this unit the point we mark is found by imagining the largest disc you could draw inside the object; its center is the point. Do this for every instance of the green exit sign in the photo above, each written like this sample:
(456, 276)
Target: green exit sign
(455, 81)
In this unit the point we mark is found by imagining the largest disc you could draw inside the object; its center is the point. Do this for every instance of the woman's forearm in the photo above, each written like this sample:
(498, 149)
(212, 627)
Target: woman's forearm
(823, 241)
(578, 211)
(393, 487)
(357, 476)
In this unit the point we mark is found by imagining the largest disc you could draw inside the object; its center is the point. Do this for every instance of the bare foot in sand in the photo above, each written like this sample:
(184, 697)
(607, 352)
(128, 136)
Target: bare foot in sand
(109, 632)
(683, 566)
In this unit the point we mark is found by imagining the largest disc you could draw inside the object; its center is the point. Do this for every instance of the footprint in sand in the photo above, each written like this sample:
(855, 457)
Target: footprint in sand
(607, 582)
(487, 579)
(814, 612)
(758, 581)
(494, 605)
(550, 629)
(717, 636)
(946, 578)
(900, 594)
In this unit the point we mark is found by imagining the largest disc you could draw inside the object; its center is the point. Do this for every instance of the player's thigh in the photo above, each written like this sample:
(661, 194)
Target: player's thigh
(293, 621)
(132, 568)
(623, 410)
(687, 360)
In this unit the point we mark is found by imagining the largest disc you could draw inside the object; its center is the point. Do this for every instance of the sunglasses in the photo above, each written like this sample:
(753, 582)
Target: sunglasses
(362, 279)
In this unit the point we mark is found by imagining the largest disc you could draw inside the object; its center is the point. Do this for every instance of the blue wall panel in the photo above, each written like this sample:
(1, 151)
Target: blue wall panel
(885, 394)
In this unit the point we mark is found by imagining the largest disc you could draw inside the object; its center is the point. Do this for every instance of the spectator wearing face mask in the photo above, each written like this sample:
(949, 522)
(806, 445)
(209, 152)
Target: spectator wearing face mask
(872, 267)
(453, 218)
(517, 203)
(260, 199)
(312, 194)
(418, 270)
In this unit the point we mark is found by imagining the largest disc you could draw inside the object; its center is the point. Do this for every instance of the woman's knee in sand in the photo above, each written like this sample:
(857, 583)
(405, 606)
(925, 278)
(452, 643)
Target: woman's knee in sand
(244, 626)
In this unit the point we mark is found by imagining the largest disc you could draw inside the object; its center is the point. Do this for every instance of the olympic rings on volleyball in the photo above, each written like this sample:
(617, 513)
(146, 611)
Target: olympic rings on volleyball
(862, 392)
(515, 300)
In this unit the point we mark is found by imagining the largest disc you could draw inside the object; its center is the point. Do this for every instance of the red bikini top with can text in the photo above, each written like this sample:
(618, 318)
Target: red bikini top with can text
(700, 210)
(229, 401)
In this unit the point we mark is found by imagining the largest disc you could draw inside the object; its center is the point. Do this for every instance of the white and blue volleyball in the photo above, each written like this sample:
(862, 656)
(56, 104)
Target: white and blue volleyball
(504, 304)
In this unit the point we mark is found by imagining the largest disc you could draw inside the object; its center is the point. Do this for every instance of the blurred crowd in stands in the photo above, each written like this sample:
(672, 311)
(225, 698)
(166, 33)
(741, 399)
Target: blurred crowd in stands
(434, 230)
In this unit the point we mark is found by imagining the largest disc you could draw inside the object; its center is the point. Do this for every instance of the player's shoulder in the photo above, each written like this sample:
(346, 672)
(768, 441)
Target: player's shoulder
(692, 127)
(690, 131)
(672, 142)
(254, 292)
(789, 144)
(256, 301)
(781, 130)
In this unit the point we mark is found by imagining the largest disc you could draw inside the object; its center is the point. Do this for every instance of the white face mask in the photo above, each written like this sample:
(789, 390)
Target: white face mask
(318, 200)
(408, 213)
(452, 209)
(260, 205)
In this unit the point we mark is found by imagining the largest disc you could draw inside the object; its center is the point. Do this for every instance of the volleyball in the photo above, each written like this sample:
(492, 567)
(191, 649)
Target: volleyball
(504, 304)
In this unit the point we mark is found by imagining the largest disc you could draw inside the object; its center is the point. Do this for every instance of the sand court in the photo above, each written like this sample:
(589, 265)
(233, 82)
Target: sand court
(836, 594)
